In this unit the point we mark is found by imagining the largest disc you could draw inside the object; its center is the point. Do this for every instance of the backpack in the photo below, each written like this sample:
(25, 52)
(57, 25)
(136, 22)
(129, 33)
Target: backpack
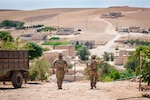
(92, 65)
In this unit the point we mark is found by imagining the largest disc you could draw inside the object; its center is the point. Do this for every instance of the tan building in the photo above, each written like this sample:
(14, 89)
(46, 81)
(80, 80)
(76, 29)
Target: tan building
(123, 56)
(64, 31)
(134, 29)
(51, 56)
(122, 29)
(70, 48)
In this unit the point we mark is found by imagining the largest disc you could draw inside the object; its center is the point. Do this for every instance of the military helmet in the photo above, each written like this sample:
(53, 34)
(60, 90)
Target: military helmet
(93, 56)
(60, 55)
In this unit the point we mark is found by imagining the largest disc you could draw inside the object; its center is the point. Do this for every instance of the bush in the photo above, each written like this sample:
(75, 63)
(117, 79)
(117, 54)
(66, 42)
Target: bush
(39, 70)
(9, 24)
(112, 56)
(70, 66)
(46, 29)
(127, 74)
(107, 79)
(107, 72)
(83, 52)
(106, 56)
(54, 38)
(114, 74)
(55, 43)
(139, 42)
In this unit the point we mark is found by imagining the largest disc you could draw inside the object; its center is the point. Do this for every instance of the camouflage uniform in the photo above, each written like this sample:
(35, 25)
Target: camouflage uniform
(61, 67)
(92, 71)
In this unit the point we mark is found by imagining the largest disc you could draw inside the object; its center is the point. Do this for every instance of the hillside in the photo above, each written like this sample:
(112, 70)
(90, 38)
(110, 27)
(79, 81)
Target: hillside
(86, 19)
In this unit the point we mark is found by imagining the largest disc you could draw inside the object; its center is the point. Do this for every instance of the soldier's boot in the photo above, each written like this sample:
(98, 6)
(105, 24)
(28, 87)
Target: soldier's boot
(91, 85)
(94, 85)
(95, 81)
(59, 88)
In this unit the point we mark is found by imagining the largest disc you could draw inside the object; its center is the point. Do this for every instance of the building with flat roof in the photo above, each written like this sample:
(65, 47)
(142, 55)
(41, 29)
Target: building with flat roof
(122, 58)
(70, 48)
(52, 55)
(64, 31)
(111, 15)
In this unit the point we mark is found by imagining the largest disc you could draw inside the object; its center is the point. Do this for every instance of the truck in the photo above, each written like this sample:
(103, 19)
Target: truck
(14, 66)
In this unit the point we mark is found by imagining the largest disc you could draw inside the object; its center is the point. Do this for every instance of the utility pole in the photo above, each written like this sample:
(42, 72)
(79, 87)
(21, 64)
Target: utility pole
(85, 16)
(58, 20)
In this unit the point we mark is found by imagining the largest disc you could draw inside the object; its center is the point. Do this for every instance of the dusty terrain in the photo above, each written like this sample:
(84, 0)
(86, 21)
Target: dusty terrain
(79, 90)
(93, 28)
(88, 20)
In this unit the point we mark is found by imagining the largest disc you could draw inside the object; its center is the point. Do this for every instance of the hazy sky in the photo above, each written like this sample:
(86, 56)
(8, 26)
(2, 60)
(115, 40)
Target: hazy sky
(40, 4)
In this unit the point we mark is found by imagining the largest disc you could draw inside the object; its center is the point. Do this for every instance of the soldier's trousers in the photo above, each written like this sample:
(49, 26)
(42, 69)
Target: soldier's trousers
(94, 78)
(60, 77)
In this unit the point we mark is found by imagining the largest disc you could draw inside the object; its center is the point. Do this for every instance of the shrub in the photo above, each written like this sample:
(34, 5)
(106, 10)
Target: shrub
(114, 74)
(55, 43)
(46, 29)
(112, 56)
(106, 71)
(39, 70)
(127, 74)
(108, 79)
(106, 56)
(54, 38)
(70, 66)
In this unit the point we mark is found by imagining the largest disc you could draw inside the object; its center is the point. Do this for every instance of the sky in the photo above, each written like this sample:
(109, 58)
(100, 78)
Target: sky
(42, 4)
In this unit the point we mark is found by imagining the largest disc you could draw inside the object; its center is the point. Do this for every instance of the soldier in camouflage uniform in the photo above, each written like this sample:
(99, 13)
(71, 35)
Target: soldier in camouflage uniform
(61, 67)
(92, 71)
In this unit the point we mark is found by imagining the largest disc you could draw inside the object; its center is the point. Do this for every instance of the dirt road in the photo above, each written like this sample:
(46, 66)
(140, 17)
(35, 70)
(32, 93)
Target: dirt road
(80, 90)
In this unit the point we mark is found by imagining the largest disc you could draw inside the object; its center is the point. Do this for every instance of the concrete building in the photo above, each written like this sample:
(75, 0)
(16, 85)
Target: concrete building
(122, 58)
(111, 15)
(122, 29)
(115, 14)
(51, 56)
(33, 37)
(64, 31)
(134, 29)
(70, 48)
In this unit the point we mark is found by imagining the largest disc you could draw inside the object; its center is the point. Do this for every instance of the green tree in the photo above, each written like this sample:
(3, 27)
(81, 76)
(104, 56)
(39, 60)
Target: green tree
(9, 24)
(106, 56)
(144, 52)
(36, 50)
(6, 36)
(84, 53)
(111, 56)
(134, 62)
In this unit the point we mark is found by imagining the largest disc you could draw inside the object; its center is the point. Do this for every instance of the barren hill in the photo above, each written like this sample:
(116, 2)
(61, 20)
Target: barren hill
(86, 19)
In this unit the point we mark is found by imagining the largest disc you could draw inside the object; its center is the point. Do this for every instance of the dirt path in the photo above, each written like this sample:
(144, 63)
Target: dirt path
(99, 51)
(120, 90)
